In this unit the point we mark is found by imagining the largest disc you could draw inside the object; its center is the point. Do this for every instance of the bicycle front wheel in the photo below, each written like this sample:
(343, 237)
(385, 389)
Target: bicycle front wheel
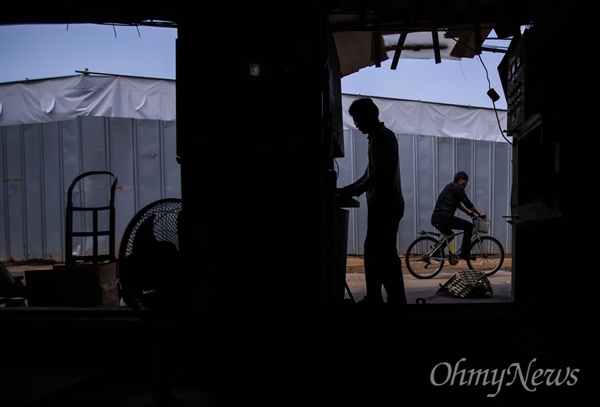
(419, 261)
(489, 254)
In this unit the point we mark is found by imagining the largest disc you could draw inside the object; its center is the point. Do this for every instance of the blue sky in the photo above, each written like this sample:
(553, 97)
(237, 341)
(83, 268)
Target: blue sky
(44, 51)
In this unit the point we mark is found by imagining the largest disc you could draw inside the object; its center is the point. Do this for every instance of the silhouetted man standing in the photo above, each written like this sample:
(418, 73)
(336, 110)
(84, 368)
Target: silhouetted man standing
(385, 206)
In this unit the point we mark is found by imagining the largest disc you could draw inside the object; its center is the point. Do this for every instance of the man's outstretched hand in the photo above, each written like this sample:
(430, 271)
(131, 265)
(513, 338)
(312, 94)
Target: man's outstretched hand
(345, 192)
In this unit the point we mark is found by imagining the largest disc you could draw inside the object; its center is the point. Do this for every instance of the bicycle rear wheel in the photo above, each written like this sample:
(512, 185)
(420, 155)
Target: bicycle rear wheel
(418, 258)
(489, 254)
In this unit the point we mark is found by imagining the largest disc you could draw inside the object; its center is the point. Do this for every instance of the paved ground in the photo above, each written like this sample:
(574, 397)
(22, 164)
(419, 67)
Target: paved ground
(426, 289)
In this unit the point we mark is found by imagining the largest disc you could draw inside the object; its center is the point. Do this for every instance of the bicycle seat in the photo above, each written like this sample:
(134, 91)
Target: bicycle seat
(437, 226)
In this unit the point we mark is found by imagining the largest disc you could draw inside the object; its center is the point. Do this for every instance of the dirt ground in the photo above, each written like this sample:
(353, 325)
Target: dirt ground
(355, 264)
(355, 280)
(17, 268)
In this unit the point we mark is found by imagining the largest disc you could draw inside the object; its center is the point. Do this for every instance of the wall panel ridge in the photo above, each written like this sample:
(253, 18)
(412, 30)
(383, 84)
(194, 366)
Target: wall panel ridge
(427, 164)
(40, 161)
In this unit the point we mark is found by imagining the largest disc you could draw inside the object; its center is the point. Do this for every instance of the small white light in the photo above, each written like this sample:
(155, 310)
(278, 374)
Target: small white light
(254, 70)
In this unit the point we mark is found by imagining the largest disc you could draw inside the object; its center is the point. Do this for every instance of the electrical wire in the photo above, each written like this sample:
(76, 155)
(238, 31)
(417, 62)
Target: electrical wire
(490, 89)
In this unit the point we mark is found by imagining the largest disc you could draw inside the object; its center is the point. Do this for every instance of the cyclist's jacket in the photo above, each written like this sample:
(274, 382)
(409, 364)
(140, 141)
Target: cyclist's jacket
(448, 202)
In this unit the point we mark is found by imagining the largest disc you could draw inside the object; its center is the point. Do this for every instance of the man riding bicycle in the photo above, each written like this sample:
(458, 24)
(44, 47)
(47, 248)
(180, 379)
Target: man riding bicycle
(454, 197)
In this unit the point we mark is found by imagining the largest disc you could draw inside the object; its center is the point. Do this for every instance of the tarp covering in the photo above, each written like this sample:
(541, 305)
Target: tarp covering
(434, 119)
(64, 98)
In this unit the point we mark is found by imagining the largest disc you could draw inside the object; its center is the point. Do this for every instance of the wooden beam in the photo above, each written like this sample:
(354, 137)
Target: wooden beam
(398, 49)
(436, 47)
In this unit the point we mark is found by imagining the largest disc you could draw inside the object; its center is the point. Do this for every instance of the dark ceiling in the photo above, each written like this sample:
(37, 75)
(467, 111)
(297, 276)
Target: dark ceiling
(344, 15)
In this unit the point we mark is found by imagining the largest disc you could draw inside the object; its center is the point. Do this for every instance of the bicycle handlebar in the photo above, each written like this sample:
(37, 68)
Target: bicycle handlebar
(474, 216)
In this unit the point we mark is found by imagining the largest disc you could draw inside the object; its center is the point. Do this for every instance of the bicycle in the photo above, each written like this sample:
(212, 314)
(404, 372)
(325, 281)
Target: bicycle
(426, 255)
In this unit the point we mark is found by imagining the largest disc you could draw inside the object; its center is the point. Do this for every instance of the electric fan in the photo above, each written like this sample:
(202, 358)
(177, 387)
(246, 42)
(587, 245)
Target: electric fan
(150, 258)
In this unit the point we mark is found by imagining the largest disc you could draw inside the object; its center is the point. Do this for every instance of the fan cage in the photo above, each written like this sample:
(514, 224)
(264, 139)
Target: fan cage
(164, 225)
(150, 257)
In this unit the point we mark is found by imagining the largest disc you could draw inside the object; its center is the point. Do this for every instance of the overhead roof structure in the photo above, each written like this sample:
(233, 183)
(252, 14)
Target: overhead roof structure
(368, 33)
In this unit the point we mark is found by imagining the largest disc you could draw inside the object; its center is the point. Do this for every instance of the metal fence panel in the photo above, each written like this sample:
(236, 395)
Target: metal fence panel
(40, 161)
(32, 198)
(427, 164)
(53, 198)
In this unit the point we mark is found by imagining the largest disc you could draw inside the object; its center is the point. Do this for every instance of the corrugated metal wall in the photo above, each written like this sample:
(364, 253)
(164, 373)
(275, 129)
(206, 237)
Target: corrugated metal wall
(40, 161)
(427, 164)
